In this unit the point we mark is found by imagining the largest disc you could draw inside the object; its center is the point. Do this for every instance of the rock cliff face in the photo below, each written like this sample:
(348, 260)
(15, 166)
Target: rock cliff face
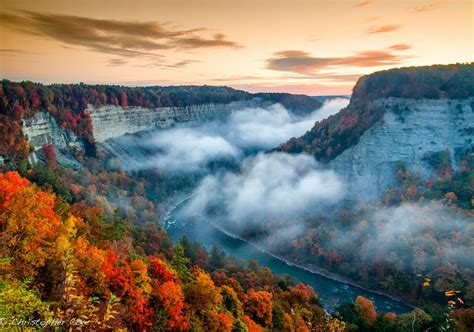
(410, 131)
(42, 130)
(114, 121)
(110, 122)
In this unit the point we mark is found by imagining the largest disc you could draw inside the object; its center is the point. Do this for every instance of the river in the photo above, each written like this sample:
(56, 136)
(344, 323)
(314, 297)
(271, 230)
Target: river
(332, 292)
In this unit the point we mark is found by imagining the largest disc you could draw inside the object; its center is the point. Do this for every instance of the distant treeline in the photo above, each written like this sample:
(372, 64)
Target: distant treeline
(330, 137)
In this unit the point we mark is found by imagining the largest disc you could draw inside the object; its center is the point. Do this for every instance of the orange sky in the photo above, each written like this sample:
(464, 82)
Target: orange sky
(299, 46)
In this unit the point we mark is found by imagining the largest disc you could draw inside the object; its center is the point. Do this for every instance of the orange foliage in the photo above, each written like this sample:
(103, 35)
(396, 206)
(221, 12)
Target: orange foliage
(28, 222)
(219, 322)
(302, 293)
(259, 306)
(366, 309)
(201, 293)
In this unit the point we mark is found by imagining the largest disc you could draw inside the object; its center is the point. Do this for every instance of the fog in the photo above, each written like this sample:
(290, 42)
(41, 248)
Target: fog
(244, 132)
(407, 228)
(275, 188)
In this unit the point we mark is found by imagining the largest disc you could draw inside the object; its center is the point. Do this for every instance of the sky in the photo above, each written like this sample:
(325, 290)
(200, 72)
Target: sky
(311, 47)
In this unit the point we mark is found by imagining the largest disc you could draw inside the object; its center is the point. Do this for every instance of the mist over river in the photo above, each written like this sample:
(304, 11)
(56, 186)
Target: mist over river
(265, 186)
(332, 292)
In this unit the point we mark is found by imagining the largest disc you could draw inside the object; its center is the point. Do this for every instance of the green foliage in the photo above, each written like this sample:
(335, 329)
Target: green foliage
(180, 263)
(439, 159)
(217, 259)
(19, 300)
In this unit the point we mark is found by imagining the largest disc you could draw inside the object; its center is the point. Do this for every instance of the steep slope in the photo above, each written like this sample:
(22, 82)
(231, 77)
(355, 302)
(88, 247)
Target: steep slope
(397, 115)
(412, 132)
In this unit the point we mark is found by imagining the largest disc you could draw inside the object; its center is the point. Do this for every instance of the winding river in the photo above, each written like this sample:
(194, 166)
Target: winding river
(332, 292)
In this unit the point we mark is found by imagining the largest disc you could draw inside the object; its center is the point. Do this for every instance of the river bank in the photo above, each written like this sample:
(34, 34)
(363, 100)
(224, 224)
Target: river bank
(333, 289)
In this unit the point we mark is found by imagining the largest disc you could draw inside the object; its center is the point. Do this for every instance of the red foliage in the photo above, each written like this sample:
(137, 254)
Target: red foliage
(10, 184)
(302, 294)
(158, 270)
(49, 153)
(123, 99)
(171, 298)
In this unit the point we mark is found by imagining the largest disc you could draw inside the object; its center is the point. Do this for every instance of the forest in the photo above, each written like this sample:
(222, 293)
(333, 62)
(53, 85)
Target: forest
(77, 264)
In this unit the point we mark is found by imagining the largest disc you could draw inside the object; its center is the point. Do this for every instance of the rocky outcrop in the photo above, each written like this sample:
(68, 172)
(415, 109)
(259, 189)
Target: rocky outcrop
(410, 131)
(114, 121)
(42, 129)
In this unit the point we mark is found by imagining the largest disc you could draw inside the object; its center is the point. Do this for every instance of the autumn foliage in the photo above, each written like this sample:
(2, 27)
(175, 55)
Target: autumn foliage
(76, 268)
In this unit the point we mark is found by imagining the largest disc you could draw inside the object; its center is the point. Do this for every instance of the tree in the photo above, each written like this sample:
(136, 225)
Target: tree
(201, 292)
(366, 309)
(217, 259)
(180, 263)
(259, 306)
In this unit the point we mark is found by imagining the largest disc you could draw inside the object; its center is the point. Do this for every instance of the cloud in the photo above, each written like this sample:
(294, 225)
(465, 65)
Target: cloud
(400, 47)
(426, 7)
(183, 63)
(116, 62)
(372, 18)
(323, 76)
(191, 149)
(408, 227)
(274, 188)
(364, 3)
(311, 89)
(120, 38)
(304, 63)
(383, 28)
(188, 149)
(14, 52)
(194, 42)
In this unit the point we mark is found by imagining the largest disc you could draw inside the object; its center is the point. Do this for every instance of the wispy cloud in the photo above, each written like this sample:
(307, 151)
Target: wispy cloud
(120, 38)
(383, 28)
(116, 62)
(14, 52)
(400, 47)
(426, 7)
(304, 63)
(364, 3)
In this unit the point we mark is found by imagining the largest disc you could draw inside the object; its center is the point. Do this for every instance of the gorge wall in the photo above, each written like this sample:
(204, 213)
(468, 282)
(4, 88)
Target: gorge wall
(109, 122)
(113, 121)
(42, 129)
(409, 131)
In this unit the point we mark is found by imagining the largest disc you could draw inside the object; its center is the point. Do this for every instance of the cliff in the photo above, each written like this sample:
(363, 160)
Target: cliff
(109, 122)
(42, 129)
(410, 131)
(396, 115)
(113, 121)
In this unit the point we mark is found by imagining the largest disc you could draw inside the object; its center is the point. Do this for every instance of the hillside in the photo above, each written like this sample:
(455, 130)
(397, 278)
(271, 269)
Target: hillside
(68, 105)
(330, 137)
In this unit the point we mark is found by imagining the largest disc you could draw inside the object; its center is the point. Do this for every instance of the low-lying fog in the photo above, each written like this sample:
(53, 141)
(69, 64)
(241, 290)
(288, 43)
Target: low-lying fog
(247, 131)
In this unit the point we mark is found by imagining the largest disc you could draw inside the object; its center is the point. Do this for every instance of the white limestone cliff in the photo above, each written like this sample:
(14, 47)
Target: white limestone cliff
(410, 131)
(114, 121)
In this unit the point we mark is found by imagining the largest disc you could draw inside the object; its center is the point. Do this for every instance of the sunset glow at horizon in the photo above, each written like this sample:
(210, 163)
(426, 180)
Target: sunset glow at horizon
(300, 46)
